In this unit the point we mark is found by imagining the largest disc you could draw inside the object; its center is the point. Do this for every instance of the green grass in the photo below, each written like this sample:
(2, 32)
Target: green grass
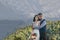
(53, 29)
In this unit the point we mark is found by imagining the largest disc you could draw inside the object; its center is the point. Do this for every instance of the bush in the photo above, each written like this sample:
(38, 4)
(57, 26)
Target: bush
(53, 29)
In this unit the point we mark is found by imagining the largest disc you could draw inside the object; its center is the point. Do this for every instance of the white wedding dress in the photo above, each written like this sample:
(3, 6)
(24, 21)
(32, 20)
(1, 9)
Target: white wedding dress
(36, 30)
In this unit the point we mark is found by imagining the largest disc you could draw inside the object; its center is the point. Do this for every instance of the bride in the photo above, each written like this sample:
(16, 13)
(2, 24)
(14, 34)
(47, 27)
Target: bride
(35, 32)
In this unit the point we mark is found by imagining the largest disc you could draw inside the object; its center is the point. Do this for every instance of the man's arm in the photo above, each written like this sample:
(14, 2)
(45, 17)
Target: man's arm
(42, 25)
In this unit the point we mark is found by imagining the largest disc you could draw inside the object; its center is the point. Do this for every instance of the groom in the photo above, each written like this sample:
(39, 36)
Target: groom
(42, 27)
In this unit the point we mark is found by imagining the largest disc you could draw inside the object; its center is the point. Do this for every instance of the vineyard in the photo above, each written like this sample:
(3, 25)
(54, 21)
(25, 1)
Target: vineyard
(53, 32)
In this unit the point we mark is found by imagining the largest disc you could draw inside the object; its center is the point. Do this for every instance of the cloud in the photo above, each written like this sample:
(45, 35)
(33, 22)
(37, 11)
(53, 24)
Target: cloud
(50, 8)
(19, 9)
(59, 10)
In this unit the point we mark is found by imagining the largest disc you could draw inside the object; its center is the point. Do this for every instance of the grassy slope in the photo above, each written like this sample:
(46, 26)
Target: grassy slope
(53, 29)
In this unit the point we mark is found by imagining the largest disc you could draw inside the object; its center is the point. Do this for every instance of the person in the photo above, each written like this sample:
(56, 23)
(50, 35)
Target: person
(42, 27)
(35, 27)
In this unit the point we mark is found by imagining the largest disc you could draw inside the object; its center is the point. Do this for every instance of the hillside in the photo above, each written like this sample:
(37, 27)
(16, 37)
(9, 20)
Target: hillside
(53, 32)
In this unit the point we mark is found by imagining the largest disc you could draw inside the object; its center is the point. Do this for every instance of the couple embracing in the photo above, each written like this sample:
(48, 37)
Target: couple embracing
(39, 27)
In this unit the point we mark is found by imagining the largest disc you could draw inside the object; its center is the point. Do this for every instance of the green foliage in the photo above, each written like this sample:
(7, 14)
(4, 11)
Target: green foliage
(53, 32)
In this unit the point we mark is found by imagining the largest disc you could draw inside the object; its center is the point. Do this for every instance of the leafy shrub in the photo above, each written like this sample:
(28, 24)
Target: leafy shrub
(53, 29)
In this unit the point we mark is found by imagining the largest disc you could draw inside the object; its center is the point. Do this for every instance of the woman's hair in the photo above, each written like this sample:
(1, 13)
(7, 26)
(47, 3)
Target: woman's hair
(34, 18)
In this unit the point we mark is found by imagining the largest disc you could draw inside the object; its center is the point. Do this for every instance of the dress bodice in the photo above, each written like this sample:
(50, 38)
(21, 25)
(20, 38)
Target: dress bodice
(36, 24)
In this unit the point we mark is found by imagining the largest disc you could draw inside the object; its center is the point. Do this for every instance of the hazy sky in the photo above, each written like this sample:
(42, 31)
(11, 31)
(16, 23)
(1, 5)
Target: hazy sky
(21, 9)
